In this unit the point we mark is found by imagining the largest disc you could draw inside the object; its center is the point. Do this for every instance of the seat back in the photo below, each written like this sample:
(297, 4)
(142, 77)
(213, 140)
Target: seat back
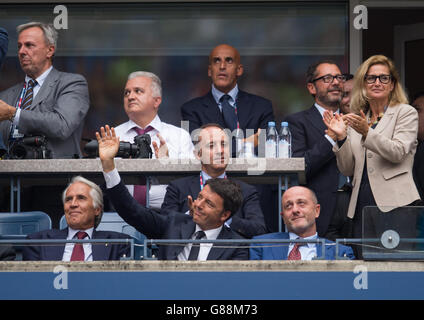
(24, 223)
(111, 221)
(17, 225)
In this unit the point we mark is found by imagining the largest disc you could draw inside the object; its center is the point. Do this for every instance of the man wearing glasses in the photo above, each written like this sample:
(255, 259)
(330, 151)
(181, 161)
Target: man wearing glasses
(311, 141)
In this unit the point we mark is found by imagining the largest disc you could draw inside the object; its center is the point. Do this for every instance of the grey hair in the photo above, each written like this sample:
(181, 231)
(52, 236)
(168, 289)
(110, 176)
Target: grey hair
(156, 82)
(50, 33)
(95, 193)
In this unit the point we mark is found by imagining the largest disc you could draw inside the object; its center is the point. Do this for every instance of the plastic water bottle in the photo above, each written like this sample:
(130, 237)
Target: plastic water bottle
(271, 142)
(285, 140)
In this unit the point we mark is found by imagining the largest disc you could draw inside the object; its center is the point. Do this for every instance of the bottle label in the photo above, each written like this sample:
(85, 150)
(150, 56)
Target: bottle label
(270, 149)
(283, 149)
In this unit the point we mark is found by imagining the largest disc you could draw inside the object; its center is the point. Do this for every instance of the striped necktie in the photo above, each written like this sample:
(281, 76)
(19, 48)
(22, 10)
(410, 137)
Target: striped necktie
(29, 94)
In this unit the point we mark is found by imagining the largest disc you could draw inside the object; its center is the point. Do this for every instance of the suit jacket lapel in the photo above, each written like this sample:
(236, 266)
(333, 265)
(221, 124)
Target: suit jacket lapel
(315, 119)
(186, 231)
(55, 252)
(244, 106)
(217, 251)
(100, 251)
(280, 250)
(45, 89)
(385, 120)
(212, 109)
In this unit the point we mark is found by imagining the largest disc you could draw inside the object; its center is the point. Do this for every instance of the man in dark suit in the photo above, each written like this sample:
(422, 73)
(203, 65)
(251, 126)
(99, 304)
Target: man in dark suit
(218, 201)
(300, 210)
(311, 141)
(83, 207)
(212, 150)
(249, 112)
(49, 103)
(4, 43)
(232, 108)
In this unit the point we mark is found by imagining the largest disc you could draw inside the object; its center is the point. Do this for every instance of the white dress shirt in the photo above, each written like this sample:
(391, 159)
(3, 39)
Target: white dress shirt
(72, 234)
(37, 87)
(307, 251)
(205, 248)
(179, 146)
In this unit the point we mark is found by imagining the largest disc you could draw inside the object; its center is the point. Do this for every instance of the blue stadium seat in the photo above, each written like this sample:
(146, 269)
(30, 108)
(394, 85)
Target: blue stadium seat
(18, 225)
(111, 221)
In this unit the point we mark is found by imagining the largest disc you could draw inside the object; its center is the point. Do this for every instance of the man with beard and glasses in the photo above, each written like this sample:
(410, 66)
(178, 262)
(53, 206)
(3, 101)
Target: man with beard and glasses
(311, 140)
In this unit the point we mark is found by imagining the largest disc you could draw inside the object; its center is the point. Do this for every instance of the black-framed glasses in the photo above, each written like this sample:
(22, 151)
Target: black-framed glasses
(328, 78)
(384, 78)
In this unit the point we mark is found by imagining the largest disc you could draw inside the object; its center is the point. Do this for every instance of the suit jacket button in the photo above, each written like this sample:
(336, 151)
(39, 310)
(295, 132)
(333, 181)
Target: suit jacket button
(370, 170)
(369, 155)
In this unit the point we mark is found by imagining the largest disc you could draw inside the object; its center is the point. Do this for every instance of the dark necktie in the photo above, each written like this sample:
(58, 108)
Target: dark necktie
(140, 190)
(195, 248)
(29, 93)
(78, 252)
(295, 253)
(228, 112)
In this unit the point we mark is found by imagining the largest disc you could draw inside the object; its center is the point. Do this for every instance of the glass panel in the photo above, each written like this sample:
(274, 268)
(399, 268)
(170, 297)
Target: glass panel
(105, 42)
(393, 233)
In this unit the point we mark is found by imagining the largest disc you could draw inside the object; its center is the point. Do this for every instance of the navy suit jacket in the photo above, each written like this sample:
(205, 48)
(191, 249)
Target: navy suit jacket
(4, 43)
(174, 225)
(55, 252)
(248, 221)
(322, 174)
(253, 111)
(276, 251)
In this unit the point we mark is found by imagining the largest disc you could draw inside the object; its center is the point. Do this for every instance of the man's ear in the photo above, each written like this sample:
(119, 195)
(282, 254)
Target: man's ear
(311, 88)
(317, 210)
(240, 70)
(226, 215)
(158, 101)
(50, 51)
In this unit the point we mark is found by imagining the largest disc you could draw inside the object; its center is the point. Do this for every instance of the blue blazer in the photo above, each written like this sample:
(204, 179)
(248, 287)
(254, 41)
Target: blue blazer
(55, 252)
(275, 252)
(248, 221)
(253, 111)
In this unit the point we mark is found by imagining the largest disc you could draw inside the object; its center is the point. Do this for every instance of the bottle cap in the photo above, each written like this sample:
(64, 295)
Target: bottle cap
(271, 124)
(284, 124)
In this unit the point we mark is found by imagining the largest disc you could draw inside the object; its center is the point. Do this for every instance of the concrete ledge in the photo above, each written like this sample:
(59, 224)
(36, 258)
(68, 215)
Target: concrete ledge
(212, 266)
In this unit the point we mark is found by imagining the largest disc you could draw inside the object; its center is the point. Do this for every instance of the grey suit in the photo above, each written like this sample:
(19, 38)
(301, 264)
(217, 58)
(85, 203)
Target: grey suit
(57, 112)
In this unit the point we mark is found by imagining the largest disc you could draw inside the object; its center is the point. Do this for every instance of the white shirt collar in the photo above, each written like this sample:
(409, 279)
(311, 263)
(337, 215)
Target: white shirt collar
(41, 78)
(218, 94)
(294, 236)
(206, 177)
(321, 109)
(156, 123)
(211, 234)
(72, 232)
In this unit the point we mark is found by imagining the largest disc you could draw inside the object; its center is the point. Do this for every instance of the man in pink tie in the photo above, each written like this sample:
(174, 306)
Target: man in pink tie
(83, 207)
(142, 98)
(300, 211)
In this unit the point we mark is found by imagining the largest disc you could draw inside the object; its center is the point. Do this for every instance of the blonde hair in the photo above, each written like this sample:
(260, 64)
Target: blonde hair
(360, 100)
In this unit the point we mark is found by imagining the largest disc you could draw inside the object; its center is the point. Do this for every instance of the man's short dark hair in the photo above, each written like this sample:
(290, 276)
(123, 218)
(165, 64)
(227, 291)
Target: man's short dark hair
(348, 76)
(311, 73)
(229, 191)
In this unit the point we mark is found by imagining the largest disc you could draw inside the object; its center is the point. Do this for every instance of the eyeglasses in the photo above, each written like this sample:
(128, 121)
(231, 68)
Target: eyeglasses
(384, 78)
(328, 78)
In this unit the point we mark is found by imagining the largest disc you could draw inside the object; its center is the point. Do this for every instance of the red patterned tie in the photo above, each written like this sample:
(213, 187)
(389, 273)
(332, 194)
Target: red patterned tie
(140, 190)
(295, 253)
(78, 252)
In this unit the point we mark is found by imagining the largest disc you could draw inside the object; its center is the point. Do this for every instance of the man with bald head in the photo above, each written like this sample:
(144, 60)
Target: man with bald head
(300, 210)
(225, 104)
